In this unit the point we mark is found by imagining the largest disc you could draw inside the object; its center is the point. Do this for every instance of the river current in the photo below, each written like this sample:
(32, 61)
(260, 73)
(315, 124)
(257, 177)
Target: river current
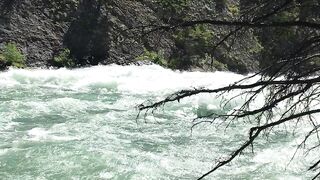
(82, 124)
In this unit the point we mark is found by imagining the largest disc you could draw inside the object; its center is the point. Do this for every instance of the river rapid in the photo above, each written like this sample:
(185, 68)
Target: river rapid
(82, 124)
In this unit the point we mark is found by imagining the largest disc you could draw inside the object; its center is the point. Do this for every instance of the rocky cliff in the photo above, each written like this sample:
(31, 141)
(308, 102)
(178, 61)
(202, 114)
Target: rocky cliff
(104, 32)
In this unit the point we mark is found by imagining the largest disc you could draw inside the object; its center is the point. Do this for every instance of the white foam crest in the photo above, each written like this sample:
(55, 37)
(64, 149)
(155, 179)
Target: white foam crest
(41, 134)
(134, 79)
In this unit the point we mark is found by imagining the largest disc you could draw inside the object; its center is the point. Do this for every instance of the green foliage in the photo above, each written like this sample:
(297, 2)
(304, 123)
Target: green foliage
(64, 59)
(202, 33)
(256, 47)
(286, 34)
(214, 63)
(219, 66)
(198, 33)
(291, 15)
(153, 56)
(175, 6)
(233, 9)
(175, 63)
(277, 42)
(12, 56)
(196, 40)
(2, 59)
(158, 58)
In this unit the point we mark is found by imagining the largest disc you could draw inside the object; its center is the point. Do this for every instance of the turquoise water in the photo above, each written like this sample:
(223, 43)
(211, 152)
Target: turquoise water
(81, 124)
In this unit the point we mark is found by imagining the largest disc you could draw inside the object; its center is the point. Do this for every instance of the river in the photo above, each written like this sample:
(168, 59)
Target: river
(81, 124)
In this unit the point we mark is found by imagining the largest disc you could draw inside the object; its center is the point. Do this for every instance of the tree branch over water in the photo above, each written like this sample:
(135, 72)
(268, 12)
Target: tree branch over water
(299, 94)
(289, 84)
(301, 24)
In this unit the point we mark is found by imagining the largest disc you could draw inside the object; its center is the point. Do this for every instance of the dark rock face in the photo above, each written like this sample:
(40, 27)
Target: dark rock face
(87, 36)
(96, 31)
(89, 28)
(36, 27)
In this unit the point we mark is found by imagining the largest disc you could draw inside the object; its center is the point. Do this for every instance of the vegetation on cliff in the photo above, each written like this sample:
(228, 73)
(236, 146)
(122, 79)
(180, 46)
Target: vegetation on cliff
(11, 56)
(64, 59)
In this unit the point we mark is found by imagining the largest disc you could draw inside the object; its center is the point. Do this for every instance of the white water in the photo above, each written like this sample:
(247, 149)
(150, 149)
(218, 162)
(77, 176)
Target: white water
(81, 124)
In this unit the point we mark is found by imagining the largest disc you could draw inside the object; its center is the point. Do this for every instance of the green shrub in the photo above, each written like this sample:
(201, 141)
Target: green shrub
(2, 58)
(256, 47)
(196, 40)
(155, 57)
(158, 58)
(219, 66)
(178, 63)
(11, 56)
(198, 33)
(175, 6)
(63, 59)
(233, 9)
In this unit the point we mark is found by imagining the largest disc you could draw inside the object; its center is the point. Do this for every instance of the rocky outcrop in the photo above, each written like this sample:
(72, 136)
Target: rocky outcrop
(38, 27)
(101, 32)
(93, 30)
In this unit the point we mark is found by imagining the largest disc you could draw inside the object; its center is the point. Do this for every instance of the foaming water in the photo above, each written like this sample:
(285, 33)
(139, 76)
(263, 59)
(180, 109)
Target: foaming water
(81, 124)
